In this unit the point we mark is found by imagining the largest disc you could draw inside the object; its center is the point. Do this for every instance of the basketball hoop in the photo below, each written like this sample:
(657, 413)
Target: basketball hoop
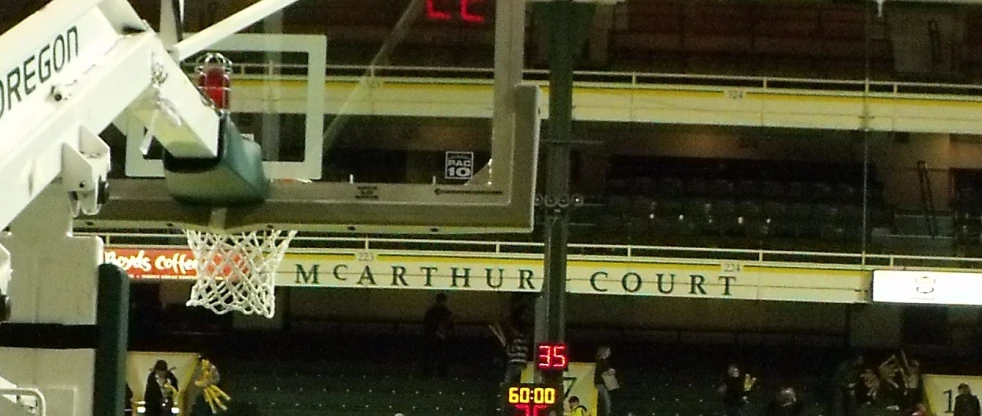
(237, 272)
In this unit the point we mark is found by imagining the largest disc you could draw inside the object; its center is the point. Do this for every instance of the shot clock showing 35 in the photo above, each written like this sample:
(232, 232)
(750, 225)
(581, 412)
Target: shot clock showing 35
(551, 357)
(470, 11)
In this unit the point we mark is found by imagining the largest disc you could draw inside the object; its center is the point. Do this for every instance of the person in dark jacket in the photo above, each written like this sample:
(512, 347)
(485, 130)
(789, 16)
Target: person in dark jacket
(161, 390)
(735, 389)
(601, 368)
(966, 404)
(128, 407)
(844, 384)
(437, 326)
(786, 403)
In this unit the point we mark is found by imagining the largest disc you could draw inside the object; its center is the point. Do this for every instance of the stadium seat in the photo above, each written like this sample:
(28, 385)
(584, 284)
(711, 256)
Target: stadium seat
(669, 208)
(748, 189)
(643, 207)
(619, 205)
(698, 209)
(670, 187)
(722, 188)
(750, 210)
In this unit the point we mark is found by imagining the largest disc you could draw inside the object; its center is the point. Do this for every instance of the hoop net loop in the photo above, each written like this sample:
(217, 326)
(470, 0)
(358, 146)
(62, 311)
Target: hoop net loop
(237, 272)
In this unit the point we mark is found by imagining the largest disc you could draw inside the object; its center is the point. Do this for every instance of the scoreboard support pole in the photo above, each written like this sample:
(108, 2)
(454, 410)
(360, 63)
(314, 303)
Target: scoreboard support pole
(568, 26)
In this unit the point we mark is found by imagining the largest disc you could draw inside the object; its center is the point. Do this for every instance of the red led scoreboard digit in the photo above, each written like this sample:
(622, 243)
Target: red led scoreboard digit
(551, 357)
(440, 10)
(531, 399)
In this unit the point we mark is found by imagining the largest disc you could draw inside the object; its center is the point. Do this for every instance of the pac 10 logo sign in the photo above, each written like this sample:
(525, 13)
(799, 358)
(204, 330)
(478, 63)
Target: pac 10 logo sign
(459, 165)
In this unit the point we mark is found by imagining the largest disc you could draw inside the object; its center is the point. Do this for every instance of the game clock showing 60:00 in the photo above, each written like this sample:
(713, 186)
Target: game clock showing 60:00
(531, 399)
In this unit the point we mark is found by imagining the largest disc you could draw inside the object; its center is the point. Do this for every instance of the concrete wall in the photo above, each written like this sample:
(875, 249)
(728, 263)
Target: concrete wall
(583, 310)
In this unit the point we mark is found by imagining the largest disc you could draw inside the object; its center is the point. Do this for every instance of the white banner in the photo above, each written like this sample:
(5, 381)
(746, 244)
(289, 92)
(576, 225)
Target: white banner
(921, 287)
(940, 391)
(726, 280)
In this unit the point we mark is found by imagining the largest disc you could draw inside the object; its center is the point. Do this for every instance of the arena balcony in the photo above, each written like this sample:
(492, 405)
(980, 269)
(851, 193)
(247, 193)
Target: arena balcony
(653, 64)
(766, 39)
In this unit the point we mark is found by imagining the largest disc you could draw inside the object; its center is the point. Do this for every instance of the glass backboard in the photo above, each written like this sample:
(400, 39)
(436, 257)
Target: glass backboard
(362, 126)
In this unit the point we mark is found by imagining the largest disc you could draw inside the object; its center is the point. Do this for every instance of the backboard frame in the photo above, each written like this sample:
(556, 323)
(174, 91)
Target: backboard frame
(310, 167)
(497, 200)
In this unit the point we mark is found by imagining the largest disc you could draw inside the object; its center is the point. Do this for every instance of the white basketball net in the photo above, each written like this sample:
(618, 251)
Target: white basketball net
(237, 272)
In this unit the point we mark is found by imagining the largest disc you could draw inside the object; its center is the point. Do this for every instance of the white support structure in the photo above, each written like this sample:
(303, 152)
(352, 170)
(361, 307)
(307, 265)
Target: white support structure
(21, 400)
(64, 87)
(68, 71)
(55, 282)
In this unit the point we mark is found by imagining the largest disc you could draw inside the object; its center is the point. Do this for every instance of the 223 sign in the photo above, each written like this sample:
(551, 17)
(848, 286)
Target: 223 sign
(532, 399)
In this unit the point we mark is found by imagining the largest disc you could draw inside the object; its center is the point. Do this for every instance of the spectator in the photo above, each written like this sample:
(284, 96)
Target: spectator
(844, 380)
(437, 326)
(205, 378)
(517, 354)
(786, 403)
(577, 409)
(128, 407)
(519, 317)
(966, 404)
(735, 389)
(911, 374)
(870, 388)
(891, 388)
(605, 380)
(920, 410)
(161, 390)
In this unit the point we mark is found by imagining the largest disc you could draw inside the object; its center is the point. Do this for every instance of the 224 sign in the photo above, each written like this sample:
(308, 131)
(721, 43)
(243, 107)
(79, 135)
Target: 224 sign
(459, 165)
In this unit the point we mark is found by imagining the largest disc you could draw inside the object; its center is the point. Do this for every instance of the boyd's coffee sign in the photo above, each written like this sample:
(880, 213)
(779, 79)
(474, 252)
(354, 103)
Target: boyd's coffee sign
(726, 280)
(154, 263)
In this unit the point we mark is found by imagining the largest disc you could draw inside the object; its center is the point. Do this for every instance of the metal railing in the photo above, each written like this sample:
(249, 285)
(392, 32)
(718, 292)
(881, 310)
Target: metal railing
(38, 408)
(310, 243)
(618, 79)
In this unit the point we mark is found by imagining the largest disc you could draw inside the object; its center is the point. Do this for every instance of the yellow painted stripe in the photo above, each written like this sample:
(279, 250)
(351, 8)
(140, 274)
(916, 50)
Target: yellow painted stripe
(770, 96)
(318, 257)
(659, 92)
(462, 259)
(791, 270)
(537, 262)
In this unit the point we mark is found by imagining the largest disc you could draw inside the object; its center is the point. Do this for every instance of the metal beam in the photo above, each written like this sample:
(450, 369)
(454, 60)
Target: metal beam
(112, 318)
